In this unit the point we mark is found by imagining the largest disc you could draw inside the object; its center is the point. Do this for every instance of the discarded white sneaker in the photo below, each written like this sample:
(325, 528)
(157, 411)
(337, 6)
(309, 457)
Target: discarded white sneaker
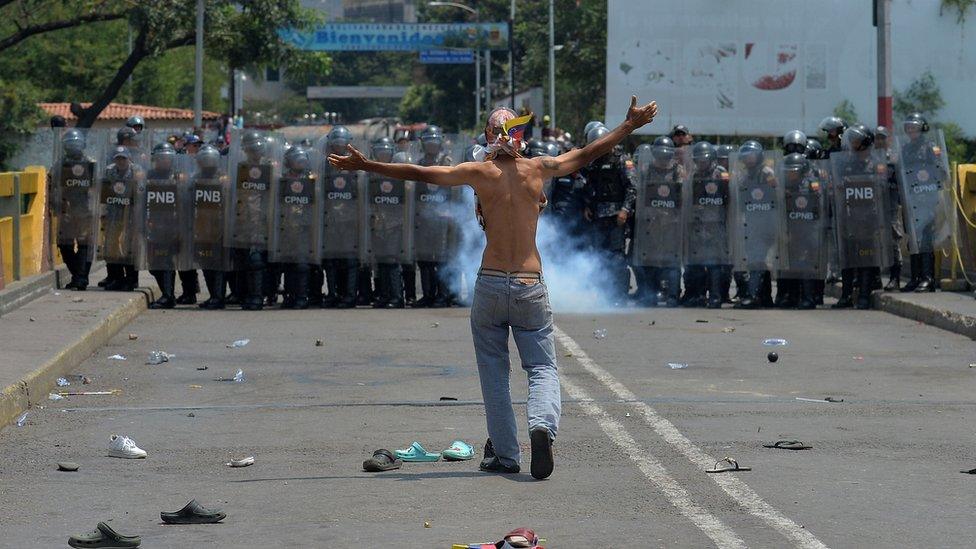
(242, 462)
(121, 446)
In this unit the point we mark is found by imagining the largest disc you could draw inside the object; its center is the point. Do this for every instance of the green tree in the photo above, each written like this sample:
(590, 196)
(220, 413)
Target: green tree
(846, 111)
(425, 102)
(924, 96)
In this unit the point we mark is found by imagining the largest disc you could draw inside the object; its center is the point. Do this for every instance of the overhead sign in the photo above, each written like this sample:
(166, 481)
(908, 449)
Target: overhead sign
(400, 36)
(357, 92)
(446, 57)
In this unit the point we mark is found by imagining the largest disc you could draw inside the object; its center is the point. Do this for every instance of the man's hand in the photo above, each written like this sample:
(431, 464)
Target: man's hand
(354, 162)
(640, 116)
(622, 216)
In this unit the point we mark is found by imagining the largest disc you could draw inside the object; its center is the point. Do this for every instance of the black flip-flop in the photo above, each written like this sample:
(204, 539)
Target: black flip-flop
(193, 513)
(382, 460)
(733, 466)
(104, 536)
(788, 445)
(969, 471)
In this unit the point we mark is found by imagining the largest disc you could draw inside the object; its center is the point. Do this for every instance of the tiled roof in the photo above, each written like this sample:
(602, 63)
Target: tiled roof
(122, 111)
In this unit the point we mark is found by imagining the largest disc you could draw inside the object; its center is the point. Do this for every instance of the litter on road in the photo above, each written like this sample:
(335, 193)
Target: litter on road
(62, 382)
(116, 357)
(241, 462)
(239, 343)
(599, 334)
(775, 342)
(22, 419)
(677, 365)
(159, 357)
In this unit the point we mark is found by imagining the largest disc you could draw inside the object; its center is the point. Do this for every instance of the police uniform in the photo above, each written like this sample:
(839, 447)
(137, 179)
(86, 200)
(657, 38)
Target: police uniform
(610, 188)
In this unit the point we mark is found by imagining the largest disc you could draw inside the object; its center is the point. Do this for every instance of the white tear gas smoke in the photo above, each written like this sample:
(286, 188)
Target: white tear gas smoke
(578, 278)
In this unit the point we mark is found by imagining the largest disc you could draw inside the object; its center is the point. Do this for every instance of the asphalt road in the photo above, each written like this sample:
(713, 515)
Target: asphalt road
(635, 436)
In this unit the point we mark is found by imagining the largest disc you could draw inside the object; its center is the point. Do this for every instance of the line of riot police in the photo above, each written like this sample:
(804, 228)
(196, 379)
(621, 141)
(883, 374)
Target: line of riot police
(710, 215)
(259, 213)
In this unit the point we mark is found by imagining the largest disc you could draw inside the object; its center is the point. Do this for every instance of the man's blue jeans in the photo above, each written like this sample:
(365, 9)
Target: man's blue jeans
(509, 302)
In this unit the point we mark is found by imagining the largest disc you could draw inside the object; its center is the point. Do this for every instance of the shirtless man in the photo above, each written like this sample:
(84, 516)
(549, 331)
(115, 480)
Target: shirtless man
(510, 292)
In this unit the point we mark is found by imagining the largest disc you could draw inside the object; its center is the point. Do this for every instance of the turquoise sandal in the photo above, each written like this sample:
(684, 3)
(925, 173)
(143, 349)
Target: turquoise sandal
(416, 452)
(459, 451)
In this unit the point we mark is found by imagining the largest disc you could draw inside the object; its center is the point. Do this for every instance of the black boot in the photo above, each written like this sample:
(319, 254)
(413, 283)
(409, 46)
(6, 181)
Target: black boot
(364, 290)
(300, 295)
(866, 281)
(787, 293)
(808, 294)
(846, 290)
(254, 286)
(750, 296)
(426, 286)
(716, 281)
(315, 280)
(288, 297)
(927, 280)
(215, 286)
(741, 286)
(167, 290)
(191, 287)
(915, 264)
(894, 277)
(442, 294)
(408, 274)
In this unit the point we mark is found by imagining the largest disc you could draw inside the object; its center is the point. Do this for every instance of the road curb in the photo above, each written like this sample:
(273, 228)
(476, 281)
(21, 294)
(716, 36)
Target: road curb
(34, 387)
(940, 318)
(20, 293)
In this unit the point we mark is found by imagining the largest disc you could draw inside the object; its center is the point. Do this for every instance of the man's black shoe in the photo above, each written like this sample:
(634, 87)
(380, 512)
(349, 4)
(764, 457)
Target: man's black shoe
(541, 453)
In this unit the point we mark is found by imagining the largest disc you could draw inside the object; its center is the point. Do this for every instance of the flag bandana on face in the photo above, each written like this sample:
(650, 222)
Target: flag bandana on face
(509, 141)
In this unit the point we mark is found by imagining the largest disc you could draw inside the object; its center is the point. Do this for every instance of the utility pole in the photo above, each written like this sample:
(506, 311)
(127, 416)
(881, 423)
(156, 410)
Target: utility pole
(477, 88)
(511, 55)
(552, 65)
(488, 104)
(198, 62)
(883, 22)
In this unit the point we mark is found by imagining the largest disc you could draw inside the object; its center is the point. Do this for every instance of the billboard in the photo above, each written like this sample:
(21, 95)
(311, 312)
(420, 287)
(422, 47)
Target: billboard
(740, 67)
(400, 36)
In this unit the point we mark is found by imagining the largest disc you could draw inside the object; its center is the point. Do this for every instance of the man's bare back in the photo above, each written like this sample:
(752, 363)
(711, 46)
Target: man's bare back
(509, 189)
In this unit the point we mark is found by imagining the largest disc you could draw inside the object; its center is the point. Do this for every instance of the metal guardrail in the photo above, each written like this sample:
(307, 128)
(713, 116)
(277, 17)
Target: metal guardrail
(22, 221)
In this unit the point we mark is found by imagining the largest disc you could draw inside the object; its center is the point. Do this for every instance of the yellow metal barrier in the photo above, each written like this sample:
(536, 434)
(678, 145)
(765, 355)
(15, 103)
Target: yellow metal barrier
(962, 256)
(23, 196)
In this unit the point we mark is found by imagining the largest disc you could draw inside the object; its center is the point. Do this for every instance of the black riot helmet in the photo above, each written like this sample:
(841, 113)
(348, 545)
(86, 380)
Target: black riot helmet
(551, 148)
(832, 126)
(208, 158)
(796, 163)
(126, 136)
(814, 150)
(338, 138)
(382, 149)
(881, 132)
(136, 123)
(859, 138)
(468, 155)
(662, 152)
(73, 143)
(589, 126)
(162, 156)
(794, 142)
(402, 157)
(751, 153)
(915, 122)
(535, 148)
(724, 152)
(703, 154)
(254, 144)
(598, 131)
(296, 159)
(432, 140)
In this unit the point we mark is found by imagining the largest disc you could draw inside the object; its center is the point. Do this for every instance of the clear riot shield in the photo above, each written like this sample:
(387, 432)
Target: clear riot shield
(120, 207)
(926, 191)
(803, 238)
(388, 227)
(75, 170)
(211, 191)
(658, 222)
(255, 162)
(860, 200)
(166, 223)
(757, 199)
(707, 215)
(431, 222)
(297, 226)
(343, 213)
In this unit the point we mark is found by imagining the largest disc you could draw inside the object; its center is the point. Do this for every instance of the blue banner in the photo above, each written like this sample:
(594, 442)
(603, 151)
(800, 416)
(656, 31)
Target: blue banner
(446, 57)
(400, 36)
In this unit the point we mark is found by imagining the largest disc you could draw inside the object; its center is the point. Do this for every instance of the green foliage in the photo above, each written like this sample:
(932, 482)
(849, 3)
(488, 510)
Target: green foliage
(424, 102)
(846, 111)
(961, 7)
(19, 116)
(922, 95)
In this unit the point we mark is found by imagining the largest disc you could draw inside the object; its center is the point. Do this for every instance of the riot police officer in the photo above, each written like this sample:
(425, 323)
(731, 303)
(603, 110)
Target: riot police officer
(757, 226)
(610, 199)
(165, 227)
(432, 224)
(803, 262)
(295, 245)
(118, 232)
(859, 188)
(211, 190)
(814, 150)
(707, 258)
(136, 122)
(882, 142)
(74, 193)
(832, 128)
(788, 289)
(924, 183)
(344, 209)
(255, 172)
(388, 227)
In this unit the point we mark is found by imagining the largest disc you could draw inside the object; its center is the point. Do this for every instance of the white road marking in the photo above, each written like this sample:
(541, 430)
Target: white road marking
(735, 488)
(722, 535)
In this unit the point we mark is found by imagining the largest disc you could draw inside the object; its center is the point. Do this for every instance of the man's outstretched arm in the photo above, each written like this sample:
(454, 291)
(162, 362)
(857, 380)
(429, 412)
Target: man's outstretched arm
(572, 161)
(448, 176)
